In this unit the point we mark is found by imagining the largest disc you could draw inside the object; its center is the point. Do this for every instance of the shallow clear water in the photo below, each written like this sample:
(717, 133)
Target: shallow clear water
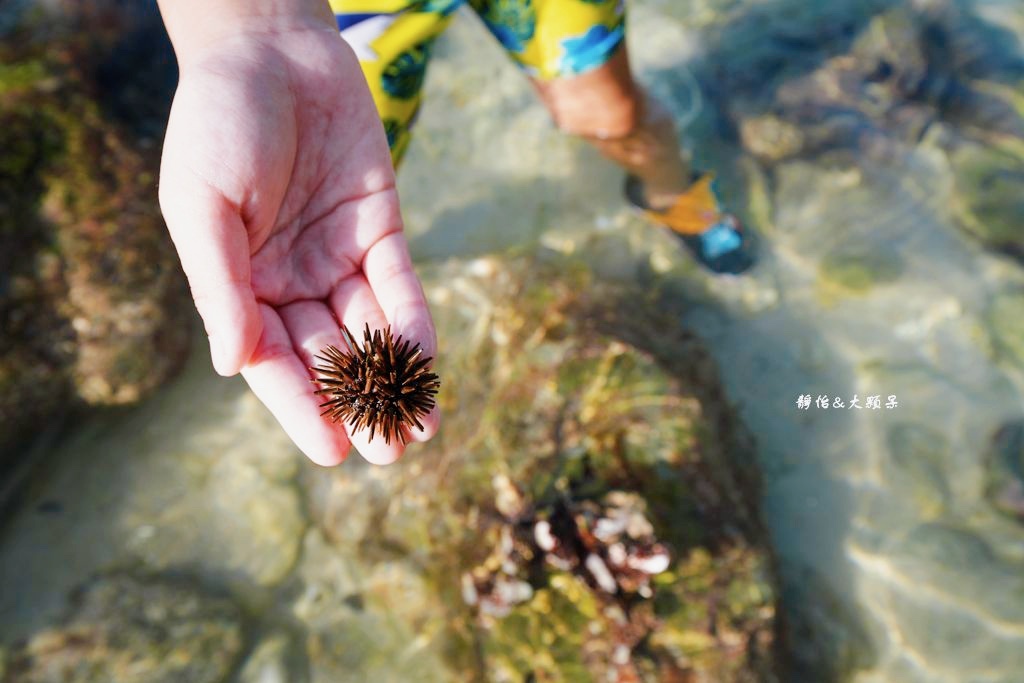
(878, 516)
(889, 551)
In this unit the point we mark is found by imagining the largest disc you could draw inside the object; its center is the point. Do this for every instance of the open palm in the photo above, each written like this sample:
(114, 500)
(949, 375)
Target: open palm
(278, 190)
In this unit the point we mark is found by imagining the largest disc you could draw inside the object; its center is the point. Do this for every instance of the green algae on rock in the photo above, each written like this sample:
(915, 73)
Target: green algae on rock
(576, 411)
(917, 456)
(272, 660)
(1006, 320)
(1004, 470)
(857, 268)
(127, 629)
(989, 201)
(92, 302)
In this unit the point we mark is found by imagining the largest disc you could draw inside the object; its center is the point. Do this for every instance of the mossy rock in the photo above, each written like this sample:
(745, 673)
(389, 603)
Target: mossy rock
(724, 589)
(857, 268)
(772, 138)
(947, 546)
(988, 200)
(81, 225)
(1004, 470)
(547, 636)
(127, 629)
(1006, 320)
(916, 456)
(571, 389)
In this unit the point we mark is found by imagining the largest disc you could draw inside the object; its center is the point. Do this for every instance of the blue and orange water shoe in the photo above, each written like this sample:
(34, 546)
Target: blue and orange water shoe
(715, 238)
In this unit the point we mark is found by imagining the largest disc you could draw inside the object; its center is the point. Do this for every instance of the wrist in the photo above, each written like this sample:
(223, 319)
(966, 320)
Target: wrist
(195, 26)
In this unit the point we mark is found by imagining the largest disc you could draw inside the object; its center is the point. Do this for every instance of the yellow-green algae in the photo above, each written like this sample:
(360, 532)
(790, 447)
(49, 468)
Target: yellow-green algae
(989, 201)
(549, 398)
(81, 239)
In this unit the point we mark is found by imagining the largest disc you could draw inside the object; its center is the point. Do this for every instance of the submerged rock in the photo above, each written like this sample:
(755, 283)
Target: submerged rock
(1004, 470)
(909, 76)
(199, 478)
(604, 548)
(92, 302)
(1006, 320)
(272, 661)
(917, 453)
(880, 90)
(587, 512)
(989, 201)
(127, 629)
(828, 641)
(946, 545)
(857, 267)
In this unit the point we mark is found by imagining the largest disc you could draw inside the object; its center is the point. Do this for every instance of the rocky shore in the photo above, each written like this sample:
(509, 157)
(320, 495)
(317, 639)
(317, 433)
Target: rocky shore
(625, 486)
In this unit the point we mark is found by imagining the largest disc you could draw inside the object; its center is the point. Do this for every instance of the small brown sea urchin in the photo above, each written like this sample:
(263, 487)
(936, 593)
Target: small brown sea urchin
(383, 385)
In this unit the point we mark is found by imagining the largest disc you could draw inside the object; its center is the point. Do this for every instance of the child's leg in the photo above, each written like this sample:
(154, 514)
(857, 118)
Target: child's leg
(575, 54)
(605, 106)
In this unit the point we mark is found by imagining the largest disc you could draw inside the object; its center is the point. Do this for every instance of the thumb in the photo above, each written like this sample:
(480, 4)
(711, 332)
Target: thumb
(213, 246)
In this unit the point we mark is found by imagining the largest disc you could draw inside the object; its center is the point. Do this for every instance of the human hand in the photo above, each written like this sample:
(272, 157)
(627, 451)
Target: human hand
(277, 187)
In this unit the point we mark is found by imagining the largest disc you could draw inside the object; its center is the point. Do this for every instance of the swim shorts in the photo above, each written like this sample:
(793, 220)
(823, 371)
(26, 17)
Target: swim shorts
(548, 39)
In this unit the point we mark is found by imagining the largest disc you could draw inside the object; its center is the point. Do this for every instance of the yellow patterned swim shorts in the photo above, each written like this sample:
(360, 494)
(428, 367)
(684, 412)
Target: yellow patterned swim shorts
(547, 38)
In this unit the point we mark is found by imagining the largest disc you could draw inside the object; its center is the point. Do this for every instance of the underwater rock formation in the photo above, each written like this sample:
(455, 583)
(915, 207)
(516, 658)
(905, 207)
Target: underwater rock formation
(126, 629)
(92, 301)
(1004, 470)
(931, 75)
(585, 513)
(989, 202)
(572, 403)
(900, 73)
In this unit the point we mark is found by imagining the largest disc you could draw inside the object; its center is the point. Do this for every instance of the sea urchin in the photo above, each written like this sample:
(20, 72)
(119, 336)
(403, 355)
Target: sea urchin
(383, 385)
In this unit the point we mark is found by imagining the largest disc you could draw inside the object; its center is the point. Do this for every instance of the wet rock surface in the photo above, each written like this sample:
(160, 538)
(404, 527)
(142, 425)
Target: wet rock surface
(988, 182)
(875, 147)
(583, 357)
(872, 282)
(904, 74)
(583, 516)
(1004, 486)
(92, 302)
(658, 566)
(139, 490)
(125, 629)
